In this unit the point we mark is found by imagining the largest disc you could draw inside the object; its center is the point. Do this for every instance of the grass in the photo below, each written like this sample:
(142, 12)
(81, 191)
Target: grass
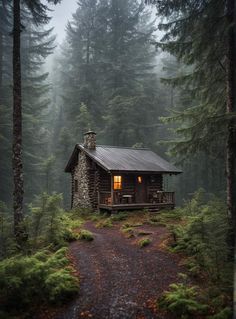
(104, 223)
(120, 216)
(85, 235)
(144, 242)
(128, 232)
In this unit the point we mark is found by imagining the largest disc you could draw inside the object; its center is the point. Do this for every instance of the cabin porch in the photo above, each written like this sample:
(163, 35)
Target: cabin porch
(118, 200)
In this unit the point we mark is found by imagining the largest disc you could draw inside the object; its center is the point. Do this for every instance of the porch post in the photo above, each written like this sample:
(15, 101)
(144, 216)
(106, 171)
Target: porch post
(112, 191)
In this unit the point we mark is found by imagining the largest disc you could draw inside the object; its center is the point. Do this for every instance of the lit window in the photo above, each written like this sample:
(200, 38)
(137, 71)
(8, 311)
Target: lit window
(140, 179)
(117, 182)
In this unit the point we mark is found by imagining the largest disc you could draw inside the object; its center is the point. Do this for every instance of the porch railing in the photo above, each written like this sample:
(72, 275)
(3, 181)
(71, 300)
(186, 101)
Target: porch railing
(162, 197)
(105, 198)
(119, 198)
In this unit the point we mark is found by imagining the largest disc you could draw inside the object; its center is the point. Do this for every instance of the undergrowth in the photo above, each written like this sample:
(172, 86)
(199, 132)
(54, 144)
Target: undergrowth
(200, 231)
(41, 272)
(44, 277)
(85, 235)
(144, 242)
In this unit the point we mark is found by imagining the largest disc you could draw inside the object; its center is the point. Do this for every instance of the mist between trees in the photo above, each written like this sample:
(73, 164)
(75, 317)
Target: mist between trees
(111, 76)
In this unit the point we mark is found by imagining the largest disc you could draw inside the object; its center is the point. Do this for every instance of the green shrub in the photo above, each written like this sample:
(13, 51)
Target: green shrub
(104, 223)
(49, 224)
(129, 232)
(182, 301)
(128, 225)
(85, 235)
(144, 242)
(60, 285)
(96, 217)
(202, 235)
(119, 217)
(155, 220)
(225, 313)
(69, 235)
(82, 212)
(43, 277)
(8, 245)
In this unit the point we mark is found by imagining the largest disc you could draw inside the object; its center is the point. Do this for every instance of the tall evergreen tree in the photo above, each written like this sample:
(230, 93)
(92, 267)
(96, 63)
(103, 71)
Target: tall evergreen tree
(39, 13)
(206, 125)
(108, 78)
(17, 163)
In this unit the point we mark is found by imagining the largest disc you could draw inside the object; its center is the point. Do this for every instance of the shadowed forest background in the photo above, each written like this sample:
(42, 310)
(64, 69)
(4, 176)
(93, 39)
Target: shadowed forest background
(155, 74)
(107, 76)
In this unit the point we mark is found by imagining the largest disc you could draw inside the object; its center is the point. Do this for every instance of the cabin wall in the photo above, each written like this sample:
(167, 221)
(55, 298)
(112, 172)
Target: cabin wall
(155, 183)
(105, 181)
(129, 183)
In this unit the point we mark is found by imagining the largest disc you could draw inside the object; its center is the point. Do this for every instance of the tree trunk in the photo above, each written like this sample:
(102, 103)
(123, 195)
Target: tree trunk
(17, 164)
(1, 60)
(231, 100)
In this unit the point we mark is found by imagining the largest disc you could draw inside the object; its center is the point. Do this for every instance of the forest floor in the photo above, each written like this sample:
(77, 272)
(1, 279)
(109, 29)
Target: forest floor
(118, 278)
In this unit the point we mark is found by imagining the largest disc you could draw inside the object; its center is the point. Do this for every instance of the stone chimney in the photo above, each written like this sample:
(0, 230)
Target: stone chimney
(90, 140)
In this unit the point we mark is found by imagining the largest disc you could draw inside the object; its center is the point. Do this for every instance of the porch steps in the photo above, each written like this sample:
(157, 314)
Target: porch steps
(154, 209)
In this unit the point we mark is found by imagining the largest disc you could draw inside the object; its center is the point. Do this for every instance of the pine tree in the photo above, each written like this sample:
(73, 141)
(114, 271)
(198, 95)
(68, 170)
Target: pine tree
(200, 34)
(17, 163)
(39, 13)
(5, 109)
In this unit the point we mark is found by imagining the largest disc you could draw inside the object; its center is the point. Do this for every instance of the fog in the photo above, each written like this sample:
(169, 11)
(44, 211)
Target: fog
(60, 14)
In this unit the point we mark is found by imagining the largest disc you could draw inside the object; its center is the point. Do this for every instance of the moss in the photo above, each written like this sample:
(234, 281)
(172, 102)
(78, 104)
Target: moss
(85, 235)
(144, 242)
(129, 232)
(128, 225)
(104, 223)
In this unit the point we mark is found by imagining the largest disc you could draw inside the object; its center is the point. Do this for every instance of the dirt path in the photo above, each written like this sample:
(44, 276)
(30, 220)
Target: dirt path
(118, 279)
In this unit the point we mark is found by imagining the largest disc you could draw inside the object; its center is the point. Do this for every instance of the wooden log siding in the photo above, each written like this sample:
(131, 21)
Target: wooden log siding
(154, 184)
(129, 184)
(105, 181)
(72, 187)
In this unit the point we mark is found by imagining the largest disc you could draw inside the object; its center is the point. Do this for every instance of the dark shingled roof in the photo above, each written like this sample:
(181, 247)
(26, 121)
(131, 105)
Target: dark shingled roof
(113, 158)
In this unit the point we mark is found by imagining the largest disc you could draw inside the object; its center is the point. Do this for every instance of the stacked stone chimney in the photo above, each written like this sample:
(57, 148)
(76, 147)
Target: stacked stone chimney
(90, 140)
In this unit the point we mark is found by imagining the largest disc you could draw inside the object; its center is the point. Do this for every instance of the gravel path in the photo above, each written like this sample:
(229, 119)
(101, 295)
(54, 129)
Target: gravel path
(118, 279)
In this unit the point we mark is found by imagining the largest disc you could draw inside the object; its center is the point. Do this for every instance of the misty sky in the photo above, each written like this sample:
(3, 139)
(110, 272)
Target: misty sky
(61, 14)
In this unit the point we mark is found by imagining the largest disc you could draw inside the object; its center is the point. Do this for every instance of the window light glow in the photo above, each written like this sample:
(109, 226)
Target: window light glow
(117, 182)
(140, 179)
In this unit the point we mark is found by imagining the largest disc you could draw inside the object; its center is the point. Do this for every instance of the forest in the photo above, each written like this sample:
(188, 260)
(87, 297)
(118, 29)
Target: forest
(155, 74)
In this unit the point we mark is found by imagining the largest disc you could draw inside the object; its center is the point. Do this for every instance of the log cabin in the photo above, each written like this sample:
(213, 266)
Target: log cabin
(118, 178)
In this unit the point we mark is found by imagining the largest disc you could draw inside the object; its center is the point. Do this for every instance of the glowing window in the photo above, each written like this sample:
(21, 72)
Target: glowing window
(117, 182)
(140, 179)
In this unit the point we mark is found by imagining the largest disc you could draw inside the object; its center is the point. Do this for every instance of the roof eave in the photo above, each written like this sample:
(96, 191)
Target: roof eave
(92, 158)
(146, 172)
(72, 160)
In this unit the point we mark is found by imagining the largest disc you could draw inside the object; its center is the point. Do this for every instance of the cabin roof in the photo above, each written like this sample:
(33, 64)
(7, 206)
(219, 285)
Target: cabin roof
(113, 158)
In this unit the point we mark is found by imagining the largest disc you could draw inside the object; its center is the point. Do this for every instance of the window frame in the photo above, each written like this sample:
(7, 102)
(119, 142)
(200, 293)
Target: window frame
(117, 184)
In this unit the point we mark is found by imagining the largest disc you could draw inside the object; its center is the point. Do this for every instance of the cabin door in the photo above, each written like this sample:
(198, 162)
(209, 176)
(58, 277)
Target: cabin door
(141, 194)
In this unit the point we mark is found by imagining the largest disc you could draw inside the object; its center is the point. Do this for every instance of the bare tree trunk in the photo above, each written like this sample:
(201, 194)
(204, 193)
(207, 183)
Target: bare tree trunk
(231, 101)
(17, 164)
(1, 59)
